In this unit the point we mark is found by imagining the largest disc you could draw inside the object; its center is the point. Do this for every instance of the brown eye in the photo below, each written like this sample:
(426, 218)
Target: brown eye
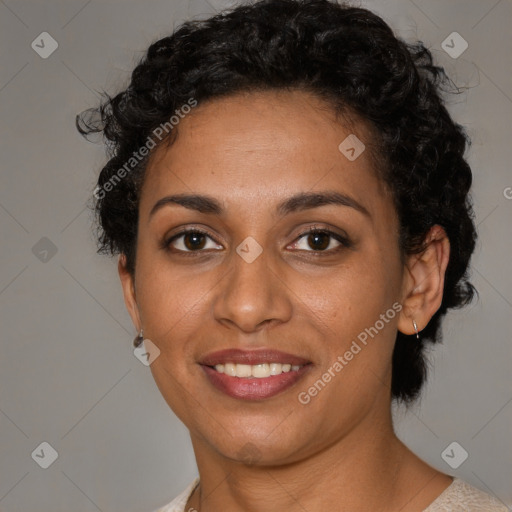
(319, 241)
(190, 240)
(194, 240)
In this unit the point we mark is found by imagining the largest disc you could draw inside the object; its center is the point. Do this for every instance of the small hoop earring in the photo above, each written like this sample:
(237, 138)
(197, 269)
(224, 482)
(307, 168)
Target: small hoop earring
(416, 329)
(138, 339)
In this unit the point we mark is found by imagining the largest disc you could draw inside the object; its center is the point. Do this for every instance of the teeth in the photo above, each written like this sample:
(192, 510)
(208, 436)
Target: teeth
(243, 370)
(260, 371)
(275, 368)
(229, 369)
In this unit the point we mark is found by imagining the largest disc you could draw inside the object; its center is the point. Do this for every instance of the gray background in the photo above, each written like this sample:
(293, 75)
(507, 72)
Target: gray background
(67, 372)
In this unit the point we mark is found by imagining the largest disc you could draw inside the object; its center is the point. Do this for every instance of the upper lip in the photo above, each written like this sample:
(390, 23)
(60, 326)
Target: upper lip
(251, 357)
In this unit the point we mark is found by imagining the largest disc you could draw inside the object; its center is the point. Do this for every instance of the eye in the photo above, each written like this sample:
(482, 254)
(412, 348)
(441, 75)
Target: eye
(321, 241)
(189, 240)
(192, 240)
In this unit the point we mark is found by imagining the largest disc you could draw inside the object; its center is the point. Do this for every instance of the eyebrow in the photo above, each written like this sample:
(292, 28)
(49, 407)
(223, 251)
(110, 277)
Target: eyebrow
(298, 202)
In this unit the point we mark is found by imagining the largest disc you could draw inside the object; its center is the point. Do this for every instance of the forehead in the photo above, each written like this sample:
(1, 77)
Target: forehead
(256, 148)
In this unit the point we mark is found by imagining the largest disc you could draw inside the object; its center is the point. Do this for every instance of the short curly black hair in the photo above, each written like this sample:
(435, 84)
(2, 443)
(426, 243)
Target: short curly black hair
(346, 55)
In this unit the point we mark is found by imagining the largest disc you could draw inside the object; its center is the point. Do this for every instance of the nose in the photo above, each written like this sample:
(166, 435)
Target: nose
(254, 294)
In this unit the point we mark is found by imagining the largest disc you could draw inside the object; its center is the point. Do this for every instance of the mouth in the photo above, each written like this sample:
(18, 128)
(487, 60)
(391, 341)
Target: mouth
(257, 371)
(253, 375)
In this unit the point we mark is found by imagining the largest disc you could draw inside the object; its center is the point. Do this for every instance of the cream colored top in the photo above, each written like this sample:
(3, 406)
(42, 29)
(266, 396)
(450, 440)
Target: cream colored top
(459, 496)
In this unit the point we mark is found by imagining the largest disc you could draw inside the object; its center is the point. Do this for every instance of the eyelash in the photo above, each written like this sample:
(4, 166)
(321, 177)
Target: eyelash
(345, 243)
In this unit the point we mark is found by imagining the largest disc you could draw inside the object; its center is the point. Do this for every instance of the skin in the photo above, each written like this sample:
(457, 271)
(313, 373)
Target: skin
(339, 451)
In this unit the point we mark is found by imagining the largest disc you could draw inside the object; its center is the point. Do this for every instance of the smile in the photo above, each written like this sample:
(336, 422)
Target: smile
(253, 374)
(258, 371)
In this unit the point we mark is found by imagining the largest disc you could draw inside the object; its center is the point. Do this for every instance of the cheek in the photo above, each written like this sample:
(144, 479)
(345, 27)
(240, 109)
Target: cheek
(358, 325)
(172, 307)
(169, 299)
(351, 298)
(356, 320)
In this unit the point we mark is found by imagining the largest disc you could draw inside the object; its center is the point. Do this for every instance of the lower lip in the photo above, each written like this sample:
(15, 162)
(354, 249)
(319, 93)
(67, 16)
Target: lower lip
(252, 388)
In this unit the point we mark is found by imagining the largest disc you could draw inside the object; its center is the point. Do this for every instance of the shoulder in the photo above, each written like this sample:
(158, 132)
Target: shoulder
(178, 503)
(460, 496)
(457, 497)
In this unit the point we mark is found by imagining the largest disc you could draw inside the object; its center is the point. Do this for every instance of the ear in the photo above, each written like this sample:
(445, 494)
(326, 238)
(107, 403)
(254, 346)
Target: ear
(423, 284)
(128, 284)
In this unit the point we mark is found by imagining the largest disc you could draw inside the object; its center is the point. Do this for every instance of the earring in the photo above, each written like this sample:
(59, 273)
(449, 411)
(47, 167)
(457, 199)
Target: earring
(138, 339)
(416, 329)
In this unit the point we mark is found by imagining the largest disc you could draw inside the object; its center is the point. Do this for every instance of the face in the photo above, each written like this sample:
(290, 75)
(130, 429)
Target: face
(256, 280)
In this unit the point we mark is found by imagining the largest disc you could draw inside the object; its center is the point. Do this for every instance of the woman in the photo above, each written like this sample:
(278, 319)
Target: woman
(289, 199)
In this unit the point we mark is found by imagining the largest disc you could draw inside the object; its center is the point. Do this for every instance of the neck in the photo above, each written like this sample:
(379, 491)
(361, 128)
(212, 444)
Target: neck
(367, 469)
